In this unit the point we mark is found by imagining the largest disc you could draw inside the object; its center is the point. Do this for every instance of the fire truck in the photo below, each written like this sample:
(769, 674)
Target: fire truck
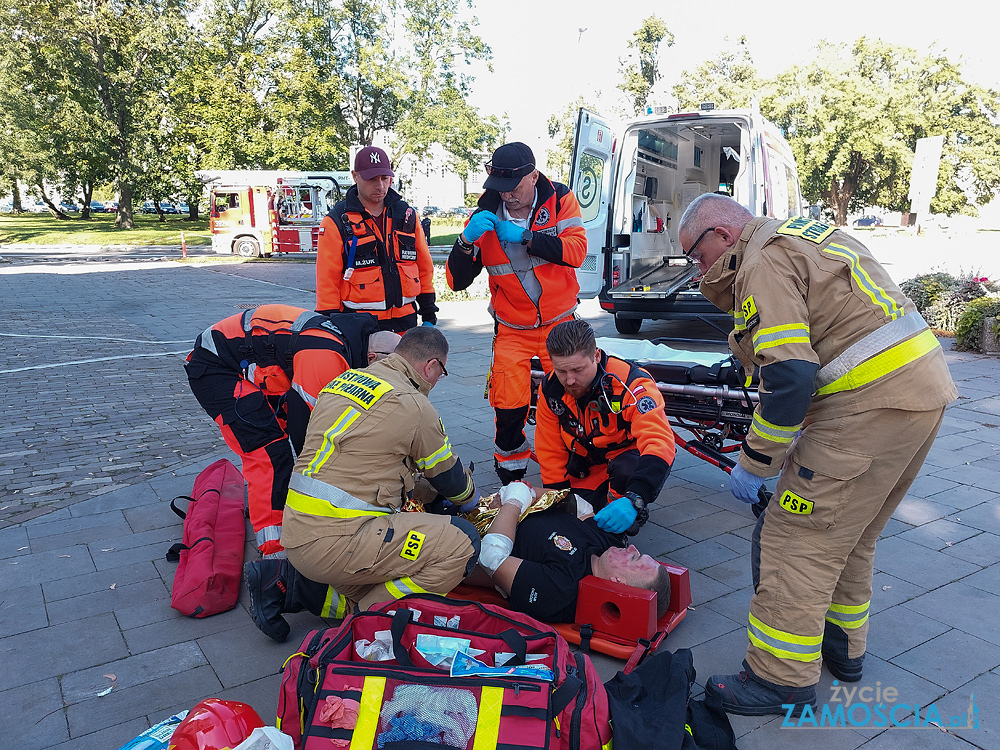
(256, 213)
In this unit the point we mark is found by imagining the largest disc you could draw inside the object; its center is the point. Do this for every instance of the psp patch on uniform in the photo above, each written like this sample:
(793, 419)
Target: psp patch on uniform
(807, 229)
(644, 404)
(750, 315)
(412, 544)
(542, 218)
(796, 503)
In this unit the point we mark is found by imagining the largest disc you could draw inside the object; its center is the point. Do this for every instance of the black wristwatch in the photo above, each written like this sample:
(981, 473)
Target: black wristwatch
(526, 236)
(641, 514)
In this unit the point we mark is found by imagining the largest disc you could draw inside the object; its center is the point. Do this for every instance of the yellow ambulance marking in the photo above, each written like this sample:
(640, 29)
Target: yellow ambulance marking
(411, 547)
(814, 231)
(796, 503)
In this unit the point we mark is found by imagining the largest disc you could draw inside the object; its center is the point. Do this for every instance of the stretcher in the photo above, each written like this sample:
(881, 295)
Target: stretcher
(612, 618)
(706, 396)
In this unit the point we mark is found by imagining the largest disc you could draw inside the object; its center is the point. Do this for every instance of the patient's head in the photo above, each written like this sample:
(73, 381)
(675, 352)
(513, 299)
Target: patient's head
(626, 565)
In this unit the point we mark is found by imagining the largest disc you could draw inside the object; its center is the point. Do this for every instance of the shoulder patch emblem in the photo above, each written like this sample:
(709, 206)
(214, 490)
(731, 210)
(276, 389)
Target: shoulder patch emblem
(645, 404)
(542, 218)
(814, 231)
(557, 406)
(750, 316)
(322, 230)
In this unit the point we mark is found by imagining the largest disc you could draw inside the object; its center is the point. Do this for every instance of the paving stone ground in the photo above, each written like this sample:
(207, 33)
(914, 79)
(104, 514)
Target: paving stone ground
(102, 431)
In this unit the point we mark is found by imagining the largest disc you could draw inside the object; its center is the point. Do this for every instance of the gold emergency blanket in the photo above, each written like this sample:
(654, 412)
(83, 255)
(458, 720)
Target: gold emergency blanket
(483, 514)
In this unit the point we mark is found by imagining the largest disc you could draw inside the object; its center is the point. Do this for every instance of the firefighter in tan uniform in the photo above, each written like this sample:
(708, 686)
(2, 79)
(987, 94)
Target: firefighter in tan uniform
(347, 545)
(845, 358)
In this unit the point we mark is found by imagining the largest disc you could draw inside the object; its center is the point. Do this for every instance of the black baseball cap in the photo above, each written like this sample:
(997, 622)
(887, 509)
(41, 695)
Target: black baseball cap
(510, 164)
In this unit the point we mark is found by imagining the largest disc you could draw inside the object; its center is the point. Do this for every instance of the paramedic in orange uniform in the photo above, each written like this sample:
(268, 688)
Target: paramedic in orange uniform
(601, 429)
(372, 255)
(258, 374)
(529, 236)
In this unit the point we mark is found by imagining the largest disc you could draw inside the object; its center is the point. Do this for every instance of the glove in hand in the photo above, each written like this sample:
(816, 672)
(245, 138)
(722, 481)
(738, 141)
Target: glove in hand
(617, 516)
(480, 224)
(744, 485)
(508, 231)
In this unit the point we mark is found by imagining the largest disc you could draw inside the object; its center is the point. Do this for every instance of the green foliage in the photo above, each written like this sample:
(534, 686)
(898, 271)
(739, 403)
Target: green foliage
(642, 74)
(969, 329)
(731, 81)
(854, 115)
(925, 289)
(562, 128)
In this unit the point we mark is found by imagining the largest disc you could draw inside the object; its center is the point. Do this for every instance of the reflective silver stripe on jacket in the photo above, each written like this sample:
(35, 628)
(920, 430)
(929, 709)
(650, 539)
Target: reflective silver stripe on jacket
(505, 269)
(207, 341)
(877, 341)
(365, 305)
(333, 495)
(572, 221)
(538, 323)
(306, 396)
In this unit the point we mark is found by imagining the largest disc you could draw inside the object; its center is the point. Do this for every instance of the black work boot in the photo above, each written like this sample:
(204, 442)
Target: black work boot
(747, 694)
(267, 590)
(835, 655)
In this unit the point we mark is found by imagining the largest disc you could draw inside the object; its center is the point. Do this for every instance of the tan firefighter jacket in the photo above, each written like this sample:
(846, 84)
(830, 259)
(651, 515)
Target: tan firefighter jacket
(828, 329)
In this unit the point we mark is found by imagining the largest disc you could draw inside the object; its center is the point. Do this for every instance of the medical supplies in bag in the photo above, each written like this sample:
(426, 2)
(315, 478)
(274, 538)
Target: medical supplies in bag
(528, 689)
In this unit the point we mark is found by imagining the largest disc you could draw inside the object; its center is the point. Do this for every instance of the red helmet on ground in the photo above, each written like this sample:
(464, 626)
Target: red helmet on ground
(215, 724)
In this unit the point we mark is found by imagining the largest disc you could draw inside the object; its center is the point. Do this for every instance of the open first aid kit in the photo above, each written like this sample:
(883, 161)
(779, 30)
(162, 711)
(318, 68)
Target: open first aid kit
(426, 671)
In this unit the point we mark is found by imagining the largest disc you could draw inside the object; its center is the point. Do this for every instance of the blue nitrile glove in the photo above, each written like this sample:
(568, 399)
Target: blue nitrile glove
(744, 485)
(508, 231)
(427, 323)
(616, 516)
(480, 223)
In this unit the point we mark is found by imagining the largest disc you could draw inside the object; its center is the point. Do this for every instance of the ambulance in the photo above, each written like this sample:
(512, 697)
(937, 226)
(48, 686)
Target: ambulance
(633, 190)
(256, 213)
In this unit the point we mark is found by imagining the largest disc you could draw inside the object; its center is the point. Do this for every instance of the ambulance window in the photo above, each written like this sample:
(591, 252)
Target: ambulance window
(588, 186)
(794, 199)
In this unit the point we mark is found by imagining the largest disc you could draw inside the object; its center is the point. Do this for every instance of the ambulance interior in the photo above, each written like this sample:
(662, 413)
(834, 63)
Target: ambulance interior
(665, 165)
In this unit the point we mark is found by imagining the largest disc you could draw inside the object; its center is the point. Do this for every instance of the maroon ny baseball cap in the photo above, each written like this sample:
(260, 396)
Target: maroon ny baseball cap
(371, 162)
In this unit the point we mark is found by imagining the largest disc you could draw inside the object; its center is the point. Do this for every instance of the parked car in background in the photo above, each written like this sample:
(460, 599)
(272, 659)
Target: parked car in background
(148, 207)
(431, 211)
(868, 221)
(97, 207)
(183, 208)
(462, 212)
(69, 208)
(110, 207)
(168, 208)
(6, 207)
(36, 208)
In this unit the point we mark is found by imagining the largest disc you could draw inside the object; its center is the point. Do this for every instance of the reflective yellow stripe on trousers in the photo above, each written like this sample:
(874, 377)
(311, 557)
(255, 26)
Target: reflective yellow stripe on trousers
(848, 616)
(784, 645)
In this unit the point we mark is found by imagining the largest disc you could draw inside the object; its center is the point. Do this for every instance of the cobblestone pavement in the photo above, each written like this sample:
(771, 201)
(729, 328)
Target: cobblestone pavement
(102, 432)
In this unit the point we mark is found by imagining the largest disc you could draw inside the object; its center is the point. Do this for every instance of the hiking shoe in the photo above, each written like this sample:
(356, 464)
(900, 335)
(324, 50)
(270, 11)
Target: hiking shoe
(263, 579)
(845, 670)
(747, 694)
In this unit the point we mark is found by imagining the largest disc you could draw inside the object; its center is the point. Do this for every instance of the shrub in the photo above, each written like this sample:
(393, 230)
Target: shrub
(925, 289)
(969, 328)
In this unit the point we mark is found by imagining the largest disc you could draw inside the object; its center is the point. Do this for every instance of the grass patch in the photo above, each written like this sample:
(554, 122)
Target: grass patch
(42, 229)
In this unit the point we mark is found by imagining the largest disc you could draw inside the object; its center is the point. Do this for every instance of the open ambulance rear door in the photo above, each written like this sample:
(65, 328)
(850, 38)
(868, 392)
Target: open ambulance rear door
(590, 177)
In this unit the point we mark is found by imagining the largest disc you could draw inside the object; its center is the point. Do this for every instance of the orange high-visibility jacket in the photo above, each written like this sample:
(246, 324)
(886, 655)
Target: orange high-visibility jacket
(357, 269)
(558, 248)
(609, 420)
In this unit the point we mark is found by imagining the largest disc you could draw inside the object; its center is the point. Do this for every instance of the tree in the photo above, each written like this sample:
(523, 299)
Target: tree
(643, 73)
(854, 115)
(562, 128)
(730, 81)
(107, 63)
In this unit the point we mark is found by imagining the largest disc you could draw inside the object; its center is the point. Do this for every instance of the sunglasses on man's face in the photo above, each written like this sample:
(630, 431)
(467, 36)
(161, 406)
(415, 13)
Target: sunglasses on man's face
(508, 172)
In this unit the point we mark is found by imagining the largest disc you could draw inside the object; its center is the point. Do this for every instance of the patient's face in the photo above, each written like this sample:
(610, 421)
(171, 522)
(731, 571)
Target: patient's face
(628, 565)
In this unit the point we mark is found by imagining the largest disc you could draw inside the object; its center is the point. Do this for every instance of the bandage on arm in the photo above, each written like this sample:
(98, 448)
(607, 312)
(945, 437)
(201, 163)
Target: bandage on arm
(517, 494)
(495, 549)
